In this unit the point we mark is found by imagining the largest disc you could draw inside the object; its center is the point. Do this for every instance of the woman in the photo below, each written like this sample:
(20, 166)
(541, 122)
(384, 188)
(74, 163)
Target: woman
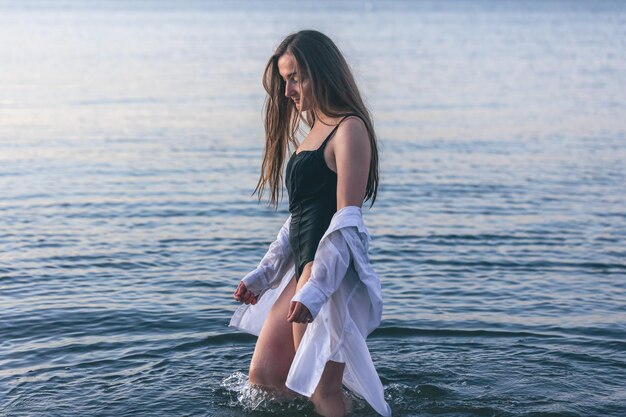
(313, 298)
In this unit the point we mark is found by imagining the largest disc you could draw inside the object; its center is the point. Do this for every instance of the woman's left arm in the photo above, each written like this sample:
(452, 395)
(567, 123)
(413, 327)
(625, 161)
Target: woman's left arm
(352, 151)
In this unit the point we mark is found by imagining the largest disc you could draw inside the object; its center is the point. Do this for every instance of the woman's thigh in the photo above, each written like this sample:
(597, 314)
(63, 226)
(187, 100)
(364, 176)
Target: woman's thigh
(300, 328)
(274, 350)
(332, 375)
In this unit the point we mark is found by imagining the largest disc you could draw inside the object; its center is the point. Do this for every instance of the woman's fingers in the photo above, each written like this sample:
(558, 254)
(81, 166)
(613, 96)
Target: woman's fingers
(244, 296)
(238, 292)
(292, 306)
(306, 315)
(298, 313)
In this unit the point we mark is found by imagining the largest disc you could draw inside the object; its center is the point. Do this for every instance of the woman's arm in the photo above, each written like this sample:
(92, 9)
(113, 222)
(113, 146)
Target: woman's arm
(352, 151)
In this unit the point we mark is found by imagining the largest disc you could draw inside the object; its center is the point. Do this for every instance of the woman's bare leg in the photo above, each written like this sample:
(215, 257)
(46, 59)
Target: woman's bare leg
(328, 397)
(274, 351)
(300, 328)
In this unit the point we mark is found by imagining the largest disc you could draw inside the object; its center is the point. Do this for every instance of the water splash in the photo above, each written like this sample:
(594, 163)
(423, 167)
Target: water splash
(254, 398)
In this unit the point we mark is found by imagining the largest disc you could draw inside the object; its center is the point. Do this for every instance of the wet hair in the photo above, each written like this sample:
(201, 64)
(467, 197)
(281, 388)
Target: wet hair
(333, 92)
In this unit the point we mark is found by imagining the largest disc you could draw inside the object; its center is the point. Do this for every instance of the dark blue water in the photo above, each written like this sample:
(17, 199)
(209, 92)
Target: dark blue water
(131, 139)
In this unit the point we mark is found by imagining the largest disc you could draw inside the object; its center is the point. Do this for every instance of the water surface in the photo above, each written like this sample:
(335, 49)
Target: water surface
(130, 142)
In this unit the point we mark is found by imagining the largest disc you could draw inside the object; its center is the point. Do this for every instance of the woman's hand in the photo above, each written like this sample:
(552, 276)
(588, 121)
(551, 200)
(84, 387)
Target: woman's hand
(244, 296)
(298, 313)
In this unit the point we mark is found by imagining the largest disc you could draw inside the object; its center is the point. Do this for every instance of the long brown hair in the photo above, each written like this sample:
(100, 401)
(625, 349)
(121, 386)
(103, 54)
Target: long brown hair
(333, 93)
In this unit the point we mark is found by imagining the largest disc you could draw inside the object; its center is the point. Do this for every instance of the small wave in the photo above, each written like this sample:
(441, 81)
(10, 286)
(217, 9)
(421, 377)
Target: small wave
(215, 340)
(398, 331)
(605, 267)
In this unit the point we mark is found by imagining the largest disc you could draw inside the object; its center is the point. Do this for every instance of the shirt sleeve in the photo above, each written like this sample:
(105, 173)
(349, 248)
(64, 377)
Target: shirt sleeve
(272, 267)
(329, 268)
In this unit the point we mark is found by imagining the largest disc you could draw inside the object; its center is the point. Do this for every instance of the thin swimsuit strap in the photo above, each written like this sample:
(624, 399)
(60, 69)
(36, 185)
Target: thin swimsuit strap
(335, 128)
(328, 137)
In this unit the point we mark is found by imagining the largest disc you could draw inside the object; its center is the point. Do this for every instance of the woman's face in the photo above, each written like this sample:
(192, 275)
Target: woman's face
(295, 89)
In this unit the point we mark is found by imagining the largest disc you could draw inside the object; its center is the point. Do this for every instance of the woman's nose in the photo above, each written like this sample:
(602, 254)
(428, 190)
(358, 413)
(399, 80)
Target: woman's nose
(289, 90)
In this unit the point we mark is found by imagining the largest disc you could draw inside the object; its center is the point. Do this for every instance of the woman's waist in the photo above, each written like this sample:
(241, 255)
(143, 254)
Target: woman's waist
(306, 216)
(312, 210)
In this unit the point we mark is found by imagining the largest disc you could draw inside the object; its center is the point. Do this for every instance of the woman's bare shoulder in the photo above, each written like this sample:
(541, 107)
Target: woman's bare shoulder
(352, 132)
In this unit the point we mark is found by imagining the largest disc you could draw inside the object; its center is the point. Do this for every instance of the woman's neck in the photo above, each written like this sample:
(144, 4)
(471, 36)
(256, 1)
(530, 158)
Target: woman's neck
(322, 120)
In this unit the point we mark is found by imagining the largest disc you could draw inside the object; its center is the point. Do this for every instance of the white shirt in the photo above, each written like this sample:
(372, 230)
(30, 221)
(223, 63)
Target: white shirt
(343, 295)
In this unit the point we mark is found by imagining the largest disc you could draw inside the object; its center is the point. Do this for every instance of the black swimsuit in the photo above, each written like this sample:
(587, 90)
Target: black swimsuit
(312, 189)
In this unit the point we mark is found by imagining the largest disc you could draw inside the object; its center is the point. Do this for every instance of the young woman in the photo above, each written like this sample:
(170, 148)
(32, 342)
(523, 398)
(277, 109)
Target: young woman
(313, 299)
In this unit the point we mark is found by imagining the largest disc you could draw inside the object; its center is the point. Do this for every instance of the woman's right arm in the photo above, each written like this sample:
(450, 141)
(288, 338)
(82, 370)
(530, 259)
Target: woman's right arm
(269, 271)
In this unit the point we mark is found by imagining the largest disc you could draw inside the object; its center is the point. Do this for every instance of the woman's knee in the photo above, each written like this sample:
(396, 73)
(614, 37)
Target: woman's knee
(271, 363)
(267, 377)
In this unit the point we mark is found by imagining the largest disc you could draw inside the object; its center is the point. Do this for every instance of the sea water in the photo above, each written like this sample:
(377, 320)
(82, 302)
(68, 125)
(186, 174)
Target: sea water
(131, 139)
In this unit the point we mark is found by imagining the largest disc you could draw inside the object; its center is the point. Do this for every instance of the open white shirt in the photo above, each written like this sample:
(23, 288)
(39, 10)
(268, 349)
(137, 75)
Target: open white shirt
(343, 295)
